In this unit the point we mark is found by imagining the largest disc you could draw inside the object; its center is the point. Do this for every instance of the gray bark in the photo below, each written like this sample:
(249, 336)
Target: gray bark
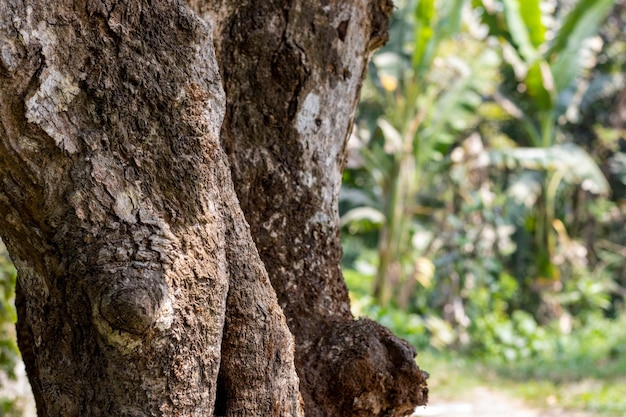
(141, 290)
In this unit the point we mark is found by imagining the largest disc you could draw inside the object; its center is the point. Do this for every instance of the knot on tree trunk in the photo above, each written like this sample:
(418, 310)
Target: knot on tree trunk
(129, 309)
(133, 300)
(370, 371)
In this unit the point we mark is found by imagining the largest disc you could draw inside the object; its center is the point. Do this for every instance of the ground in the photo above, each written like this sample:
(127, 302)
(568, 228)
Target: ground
(480, 401)
(484, 401)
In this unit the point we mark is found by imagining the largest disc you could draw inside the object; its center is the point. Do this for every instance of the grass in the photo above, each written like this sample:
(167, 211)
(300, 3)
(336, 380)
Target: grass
(598, 387)
(599, 390)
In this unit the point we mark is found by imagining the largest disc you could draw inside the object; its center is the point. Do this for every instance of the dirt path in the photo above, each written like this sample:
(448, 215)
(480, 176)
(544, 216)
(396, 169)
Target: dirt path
(487, 402)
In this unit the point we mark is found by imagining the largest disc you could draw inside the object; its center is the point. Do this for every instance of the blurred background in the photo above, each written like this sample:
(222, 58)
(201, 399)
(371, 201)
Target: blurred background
(483, 206)
(484, 198)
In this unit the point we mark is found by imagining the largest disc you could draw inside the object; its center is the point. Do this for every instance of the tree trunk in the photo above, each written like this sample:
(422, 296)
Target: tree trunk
(140, 288)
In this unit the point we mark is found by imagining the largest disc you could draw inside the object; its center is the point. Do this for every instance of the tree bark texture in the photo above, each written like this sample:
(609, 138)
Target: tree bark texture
(292, 73)
(122, 219)
(140, 289)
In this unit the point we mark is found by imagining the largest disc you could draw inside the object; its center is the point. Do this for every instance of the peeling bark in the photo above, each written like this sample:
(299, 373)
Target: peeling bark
(141, 288)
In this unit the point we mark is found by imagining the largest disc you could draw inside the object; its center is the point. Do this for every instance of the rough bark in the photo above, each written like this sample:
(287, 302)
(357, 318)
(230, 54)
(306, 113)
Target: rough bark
(292, 73)
(137, 272)
(138, 278)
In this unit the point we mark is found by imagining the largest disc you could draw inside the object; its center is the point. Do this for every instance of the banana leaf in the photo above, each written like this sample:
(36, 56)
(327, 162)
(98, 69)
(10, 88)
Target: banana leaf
(570, 160)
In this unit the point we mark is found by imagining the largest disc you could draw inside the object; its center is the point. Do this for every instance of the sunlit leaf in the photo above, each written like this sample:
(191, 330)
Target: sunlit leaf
(362, 213)
(531, 14)
(520, 32)
(424, 32)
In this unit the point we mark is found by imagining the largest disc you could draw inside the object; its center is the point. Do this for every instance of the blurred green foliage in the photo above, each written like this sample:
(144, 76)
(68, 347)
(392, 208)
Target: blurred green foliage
(484, 201)
(8, 316)
(8, 348)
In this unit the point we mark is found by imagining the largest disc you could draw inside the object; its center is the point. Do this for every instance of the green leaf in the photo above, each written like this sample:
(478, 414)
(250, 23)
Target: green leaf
(531, 14)
(580, 23)
(424, 32)
(540, 85)
(520, 32)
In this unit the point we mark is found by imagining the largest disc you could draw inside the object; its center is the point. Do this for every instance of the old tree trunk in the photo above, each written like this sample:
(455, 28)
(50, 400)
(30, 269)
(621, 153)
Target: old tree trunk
(134, 138)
